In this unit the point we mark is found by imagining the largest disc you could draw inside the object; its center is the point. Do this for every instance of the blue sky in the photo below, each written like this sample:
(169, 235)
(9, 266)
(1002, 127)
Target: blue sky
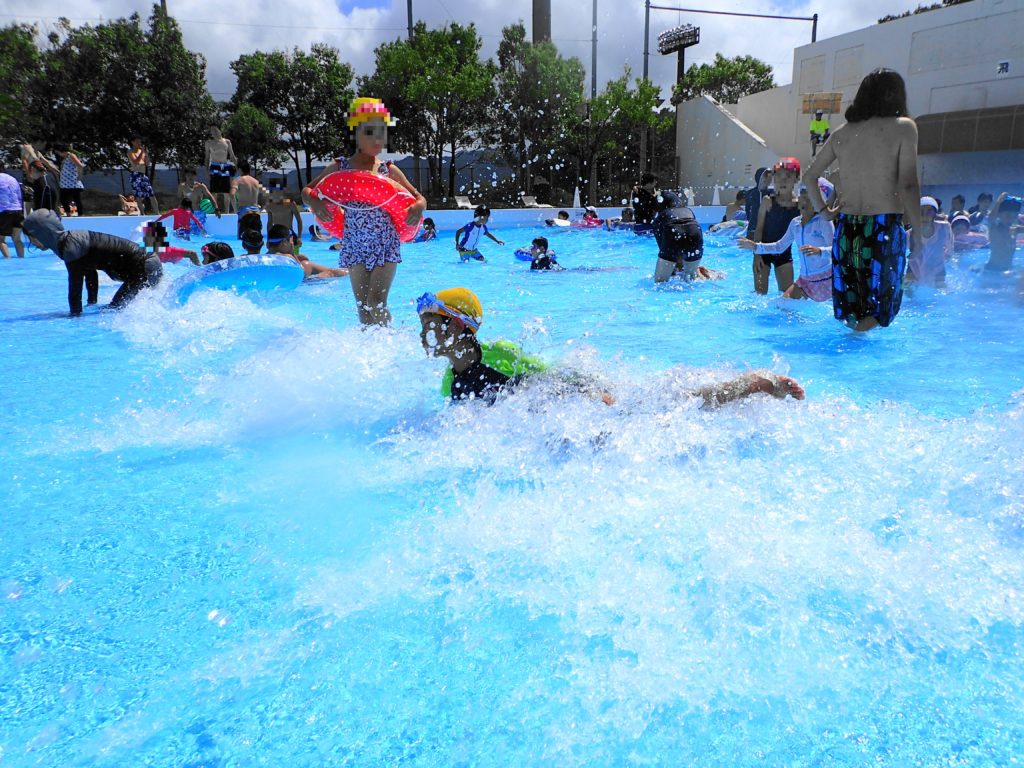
(225, 29)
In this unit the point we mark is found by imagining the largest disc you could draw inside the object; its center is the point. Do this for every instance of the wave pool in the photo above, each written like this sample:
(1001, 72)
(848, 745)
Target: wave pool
(246, 532)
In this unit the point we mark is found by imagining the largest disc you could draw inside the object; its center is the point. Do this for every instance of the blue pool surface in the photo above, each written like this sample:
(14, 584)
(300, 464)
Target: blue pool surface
(247, 532)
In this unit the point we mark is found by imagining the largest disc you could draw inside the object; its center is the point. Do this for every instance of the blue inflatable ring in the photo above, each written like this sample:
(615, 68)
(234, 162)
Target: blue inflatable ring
(260, 272)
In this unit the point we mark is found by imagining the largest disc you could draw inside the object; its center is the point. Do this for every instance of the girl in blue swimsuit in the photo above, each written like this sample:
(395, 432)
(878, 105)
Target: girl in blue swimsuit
(370, 246)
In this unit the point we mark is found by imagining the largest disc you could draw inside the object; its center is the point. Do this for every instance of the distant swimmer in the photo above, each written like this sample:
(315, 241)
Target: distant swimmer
(467, 237)
(220, 160)
(680, 240)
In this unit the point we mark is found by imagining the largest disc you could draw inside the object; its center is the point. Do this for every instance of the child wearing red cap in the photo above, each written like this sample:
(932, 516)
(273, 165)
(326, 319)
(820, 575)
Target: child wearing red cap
(776, 212)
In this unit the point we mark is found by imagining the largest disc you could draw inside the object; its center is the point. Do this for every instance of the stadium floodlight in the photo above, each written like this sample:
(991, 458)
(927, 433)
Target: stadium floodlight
(678, 38)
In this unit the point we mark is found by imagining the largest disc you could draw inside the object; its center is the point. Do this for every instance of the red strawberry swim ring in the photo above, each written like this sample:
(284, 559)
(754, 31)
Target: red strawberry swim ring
(359, 189)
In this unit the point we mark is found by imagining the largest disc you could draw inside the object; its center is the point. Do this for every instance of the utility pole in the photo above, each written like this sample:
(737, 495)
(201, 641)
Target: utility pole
(408, 4)
(593, 55)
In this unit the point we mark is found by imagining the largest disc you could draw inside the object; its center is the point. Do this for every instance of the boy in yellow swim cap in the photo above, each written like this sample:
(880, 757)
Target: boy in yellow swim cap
(450, 319)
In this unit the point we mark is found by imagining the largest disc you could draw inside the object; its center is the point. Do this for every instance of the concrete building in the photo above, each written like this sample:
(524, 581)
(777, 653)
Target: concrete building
(964, 69)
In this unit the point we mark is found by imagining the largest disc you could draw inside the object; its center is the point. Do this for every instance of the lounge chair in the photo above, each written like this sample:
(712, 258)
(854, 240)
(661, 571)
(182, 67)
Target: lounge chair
(529, 201)
(462, 201)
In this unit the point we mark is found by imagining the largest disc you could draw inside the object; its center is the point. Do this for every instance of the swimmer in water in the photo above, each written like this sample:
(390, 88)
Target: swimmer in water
(283, 241)
(450, 319)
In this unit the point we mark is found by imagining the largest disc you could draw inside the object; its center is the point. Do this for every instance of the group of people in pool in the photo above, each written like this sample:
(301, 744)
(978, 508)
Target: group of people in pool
(861, 227)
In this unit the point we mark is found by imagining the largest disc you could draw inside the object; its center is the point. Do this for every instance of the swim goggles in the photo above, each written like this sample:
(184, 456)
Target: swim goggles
(289, 236)
(429, 302)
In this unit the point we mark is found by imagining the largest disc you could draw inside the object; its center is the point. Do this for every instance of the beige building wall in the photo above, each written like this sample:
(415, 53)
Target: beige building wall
(714, 148)
(960, 58)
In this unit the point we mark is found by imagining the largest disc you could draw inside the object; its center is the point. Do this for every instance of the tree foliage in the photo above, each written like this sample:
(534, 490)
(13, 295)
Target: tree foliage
(725, 80)
(304, 94)
(441, 92)
(255, 138)
(545, 94)
(176, 107)
(19, 71)
(610, 132)
(91, 85)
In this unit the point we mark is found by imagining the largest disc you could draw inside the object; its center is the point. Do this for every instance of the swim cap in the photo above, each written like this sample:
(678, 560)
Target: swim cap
(367, 108)
(788, 164)
(931, 202)
(961, 219)
(459, 303)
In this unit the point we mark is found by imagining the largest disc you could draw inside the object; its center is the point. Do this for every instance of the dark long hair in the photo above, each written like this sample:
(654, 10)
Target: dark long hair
(881, 94)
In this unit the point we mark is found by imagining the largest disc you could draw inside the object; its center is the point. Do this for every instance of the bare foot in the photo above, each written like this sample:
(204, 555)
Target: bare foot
(778, 386)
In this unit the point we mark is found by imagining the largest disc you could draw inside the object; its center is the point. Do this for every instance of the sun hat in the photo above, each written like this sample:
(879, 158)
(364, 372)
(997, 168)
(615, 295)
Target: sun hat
(367, 108)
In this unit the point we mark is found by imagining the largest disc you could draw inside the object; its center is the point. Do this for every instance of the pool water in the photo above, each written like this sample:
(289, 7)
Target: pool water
(247, 532)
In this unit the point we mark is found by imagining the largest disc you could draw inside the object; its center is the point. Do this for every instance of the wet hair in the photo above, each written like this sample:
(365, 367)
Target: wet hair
(882, 93)
(741, 195)
(252, 238)
(541, 241)
(961, 198)
(278, 232)
(481, 210)
(648, 178)
(244, 167)
(563, 214)
(218, 251)
(186, 203)
(1011, 204)
(985, 196)
(157, 231)
(428, 222)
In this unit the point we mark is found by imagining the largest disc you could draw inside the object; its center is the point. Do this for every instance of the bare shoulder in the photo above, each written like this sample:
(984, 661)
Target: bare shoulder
(906, 127)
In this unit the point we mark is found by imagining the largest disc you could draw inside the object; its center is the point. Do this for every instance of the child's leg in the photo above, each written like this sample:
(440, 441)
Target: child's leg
(784, 275)
(371, 290)
(761, 270)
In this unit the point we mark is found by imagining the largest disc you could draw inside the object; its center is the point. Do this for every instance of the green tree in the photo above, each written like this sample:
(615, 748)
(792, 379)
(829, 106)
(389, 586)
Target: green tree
(92, 86)
(725, 80)
(609, 130)
(543, 91)
(255, 138)
(176, 107)
(304, 94)
(441, 91)
(19, 72)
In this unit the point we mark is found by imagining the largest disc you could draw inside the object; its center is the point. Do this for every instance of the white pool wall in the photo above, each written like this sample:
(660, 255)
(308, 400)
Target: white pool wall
(445, 220)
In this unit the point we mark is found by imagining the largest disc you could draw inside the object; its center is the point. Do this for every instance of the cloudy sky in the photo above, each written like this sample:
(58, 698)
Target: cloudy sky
(223, 29)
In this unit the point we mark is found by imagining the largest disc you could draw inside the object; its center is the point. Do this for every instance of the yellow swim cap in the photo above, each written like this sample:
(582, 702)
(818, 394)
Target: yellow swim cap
(367, 108)
(460, 303)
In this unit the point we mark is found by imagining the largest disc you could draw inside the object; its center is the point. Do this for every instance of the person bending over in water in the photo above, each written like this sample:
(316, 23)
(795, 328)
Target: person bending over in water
(283, 241)
(1002, 232)
(85, 252)
(877, 154)
(450, 319)
(680, 240)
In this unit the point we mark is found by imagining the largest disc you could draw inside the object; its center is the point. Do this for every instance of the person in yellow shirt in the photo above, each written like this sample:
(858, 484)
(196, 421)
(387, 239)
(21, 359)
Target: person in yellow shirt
(819, 131)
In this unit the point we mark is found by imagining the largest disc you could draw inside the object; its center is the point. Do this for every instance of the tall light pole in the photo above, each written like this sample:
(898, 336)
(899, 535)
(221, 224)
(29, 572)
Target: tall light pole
(409, 5)
(593, 55)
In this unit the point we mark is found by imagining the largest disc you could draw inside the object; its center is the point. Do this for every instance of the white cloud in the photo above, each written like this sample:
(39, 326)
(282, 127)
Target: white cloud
(224, 29)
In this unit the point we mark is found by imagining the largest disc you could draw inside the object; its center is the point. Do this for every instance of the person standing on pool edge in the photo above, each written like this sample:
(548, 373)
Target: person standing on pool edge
(877, 153)
(370, 247)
